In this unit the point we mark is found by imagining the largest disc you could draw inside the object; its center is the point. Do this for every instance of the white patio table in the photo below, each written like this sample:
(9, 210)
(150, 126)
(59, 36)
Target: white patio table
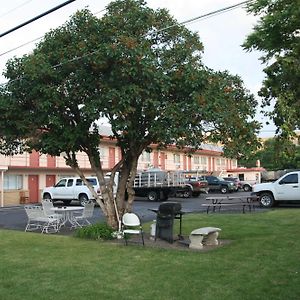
(67, 213)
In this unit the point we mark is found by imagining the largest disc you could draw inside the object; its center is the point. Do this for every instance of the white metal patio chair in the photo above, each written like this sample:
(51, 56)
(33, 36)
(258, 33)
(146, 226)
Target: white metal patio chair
(37, 219)
(131, 224)
(33, 215)
(82, 219)
(48, 207)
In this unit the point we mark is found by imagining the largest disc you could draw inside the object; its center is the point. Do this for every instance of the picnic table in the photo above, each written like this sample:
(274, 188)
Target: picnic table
(230, 201)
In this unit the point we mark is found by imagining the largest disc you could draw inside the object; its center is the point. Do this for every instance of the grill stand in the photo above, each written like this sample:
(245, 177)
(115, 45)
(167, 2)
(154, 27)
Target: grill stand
(166, 214)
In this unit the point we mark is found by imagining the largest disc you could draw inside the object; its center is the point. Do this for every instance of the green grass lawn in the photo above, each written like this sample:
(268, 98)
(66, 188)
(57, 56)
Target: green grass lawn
(261, 262)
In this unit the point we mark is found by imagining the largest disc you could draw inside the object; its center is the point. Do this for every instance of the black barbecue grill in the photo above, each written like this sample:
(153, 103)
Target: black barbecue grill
(166, 213)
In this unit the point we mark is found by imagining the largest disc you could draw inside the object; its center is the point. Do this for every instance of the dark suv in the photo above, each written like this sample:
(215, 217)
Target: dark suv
(219, 184)
(236, 181)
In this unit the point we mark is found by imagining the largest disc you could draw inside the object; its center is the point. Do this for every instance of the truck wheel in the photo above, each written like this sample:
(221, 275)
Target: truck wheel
(67, 202)
(224, 189)
(266, 200)
(47, 196)
(83, 199)
(187, 194)
(152, 196)
(247, 188)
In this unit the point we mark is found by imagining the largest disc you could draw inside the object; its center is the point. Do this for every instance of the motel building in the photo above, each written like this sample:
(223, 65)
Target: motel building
(23, 176)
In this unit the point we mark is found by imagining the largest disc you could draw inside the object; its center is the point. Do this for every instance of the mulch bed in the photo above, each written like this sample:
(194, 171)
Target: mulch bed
(136, 240)
(178, 244)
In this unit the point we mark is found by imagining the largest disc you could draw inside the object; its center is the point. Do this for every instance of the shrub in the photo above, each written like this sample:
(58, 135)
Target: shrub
(98, 231)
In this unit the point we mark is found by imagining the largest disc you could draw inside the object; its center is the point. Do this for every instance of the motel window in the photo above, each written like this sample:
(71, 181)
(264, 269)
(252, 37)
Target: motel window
(203, 160)
(13, 182)
(103, 153)
(234, 163)
(223, 162)
(146, 156)
(196, 160)
(241, 177)
(176, 158)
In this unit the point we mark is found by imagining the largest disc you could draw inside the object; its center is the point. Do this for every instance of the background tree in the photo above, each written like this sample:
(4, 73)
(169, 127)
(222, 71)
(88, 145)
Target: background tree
(138, 68)
(275, 154)
(228, 110)
(277, 35)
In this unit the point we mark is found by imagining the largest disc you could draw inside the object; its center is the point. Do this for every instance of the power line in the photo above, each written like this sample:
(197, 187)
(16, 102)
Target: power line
(98, 12)
(15, 8)
(37, 17)
(20, 46)
(210, 14)
(38, 38)
(205, 16)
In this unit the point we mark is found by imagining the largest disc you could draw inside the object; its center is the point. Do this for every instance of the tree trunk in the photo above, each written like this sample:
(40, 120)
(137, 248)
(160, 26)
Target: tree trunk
(130, 190)
(107, 200)
(113, 208)
(128, 172)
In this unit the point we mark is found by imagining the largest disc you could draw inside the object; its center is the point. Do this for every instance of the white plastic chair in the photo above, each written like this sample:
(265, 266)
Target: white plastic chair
(37, 219)
(87, 213)
(131, 224)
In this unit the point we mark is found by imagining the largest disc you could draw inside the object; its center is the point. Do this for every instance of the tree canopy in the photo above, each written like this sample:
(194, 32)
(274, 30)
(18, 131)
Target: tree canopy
(277, 35)
(138, 68)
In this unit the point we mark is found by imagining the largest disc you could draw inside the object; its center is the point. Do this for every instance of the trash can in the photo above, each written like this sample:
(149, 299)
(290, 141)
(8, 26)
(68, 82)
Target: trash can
(166, 214)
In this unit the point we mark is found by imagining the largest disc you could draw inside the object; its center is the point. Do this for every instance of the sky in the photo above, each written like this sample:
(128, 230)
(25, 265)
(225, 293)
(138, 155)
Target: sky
(222, 35)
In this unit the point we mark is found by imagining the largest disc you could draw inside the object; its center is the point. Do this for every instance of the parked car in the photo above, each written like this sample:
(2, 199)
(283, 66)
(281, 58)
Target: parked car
(286, 188)
(246, 186)
(237, 183)
(198, 185)
(71, 188)
(219, 184)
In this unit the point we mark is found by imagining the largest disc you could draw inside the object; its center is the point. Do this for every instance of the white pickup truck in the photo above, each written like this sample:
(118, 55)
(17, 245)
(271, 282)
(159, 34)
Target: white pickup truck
(71, 188)
(286, 188)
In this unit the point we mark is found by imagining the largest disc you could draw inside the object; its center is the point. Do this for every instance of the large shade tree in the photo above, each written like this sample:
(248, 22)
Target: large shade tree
(277, 35)
(138, 68)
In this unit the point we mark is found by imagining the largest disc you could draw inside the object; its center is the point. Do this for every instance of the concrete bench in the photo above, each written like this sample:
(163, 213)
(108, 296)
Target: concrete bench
(205, 235)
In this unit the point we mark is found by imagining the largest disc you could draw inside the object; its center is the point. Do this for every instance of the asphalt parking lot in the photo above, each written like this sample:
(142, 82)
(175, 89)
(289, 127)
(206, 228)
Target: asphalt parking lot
(15, 217)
